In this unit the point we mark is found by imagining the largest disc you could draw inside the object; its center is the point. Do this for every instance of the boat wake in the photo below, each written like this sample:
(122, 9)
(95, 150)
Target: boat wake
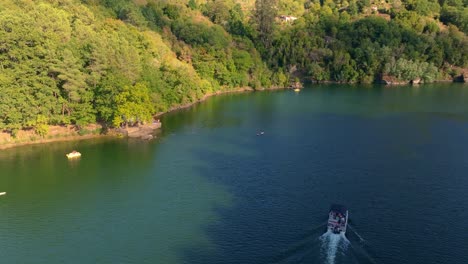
(356, 233)
(332, 244)
(314, 246)
(360, 248)
(301, 249)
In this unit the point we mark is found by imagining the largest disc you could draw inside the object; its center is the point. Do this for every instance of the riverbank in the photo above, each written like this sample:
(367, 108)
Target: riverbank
(70, 133)
(56, 134)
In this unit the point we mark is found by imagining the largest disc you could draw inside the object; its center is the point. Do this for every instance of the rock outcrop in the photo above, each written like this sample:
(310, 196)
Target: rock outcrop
(144, 132)
(416, 81)
(391, 80)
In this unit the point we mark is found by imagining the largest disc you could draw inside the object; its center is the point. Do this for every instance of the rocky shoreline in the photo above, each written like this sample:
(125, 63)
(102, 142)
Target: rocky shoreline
(70, 133)
(144, 132)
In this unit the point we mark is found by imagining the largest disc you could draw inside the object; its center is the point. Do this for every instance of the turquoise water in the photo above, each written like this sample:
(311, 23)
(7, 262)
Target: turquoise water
(209, 190)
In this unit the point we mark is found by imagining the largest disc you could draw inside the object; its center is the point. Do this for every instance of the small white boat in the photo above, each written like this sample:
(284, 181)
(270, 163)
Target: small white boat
(337, 219)
(73, 154)
(297, 90)
(2, 193)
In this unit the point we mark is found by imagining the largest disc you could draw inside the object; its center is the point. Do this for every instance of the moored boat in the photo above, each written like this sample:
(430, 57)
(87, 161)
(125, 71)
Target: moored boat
(297, 90)
(337, 219)
(73, 154)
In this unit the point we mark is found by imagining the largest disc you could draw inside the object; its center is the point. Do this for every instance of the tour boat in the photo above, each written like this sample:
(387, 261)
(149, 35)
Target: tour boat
(337, 219)
(73, 154)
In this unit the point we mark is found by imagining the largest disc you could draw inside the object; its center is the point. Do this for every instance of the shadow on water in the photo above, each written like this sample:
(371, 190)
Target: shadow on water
(263, 222)
(260, 227)
(287, 178)
(234, 158)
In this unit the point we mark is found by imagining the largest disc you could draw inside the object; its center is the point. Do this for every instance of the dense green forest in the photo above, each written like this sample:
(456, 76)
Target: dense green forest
(119, 62)
(364, 41)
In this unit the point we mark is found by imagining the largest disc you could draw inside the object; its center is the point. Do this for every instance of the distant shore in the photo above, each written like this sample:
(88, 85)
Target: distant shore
(69, 133)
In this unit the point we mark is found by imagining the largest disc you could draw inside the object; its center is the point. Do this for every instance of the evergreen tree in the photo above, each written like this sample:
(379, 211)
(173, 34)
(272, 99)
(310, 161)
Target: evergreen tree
(264, 18)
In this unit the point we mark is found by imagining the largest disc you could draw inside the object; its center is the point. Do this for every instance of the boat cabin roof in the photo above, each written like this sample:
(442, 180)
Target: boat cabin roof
(338, 208)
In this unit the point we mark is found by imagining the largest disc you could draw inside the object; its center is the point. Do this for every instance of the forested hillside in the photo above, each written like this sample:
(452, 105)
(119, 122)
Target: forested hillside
(72, 62)
(119, 62)
(365, 41)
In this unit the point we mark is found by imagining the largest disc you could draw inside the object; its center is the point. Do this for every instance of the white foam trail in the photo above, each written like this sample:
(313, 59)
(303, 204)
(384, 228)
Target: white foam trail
(331, 243)
(344, 242)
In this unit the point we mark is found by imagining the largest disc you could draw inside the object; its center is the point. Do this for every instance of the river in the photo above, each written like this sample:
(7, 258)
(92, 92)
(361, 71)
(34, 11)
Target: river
(209, 190)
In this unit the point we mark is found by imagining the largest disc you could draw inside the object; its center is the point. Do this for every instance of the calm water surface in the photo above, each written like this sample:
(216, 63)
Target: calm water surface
(209, 190)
